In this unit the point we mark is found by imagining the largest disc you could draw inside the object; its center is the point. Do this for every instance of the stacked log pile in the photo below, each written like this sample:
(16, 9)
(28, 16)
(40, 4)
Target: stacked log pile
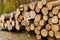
(42, 17)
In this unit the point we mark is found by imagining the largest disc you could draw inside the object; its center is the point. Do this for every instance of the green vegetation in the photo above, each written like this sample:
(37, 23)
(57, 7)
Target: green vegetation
(7, 6)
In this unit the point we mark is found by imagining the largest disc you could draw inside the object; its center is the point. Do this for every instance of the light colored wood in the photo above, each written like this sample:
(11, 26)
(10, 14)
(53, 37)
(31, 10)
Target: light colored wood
(32, 14)
(1, 25)
(17, 11)
(55, 28)
(49, 21)
(25, 7)
(56, 10)
(32, 5)
(36, 31)
(39, 4)
(42, 22)
(37, 9)
(46, 1)
(51, 5)
(54, 19)
(36, 23)
(20, 18)
(51, 33)
(48, 26)
(44, 11)
(37, 17)
(51, 14)
(38, 28)
(17, 26)
(27, 28)
(26, 15)
(25, 22)
(32, 27)
(59, 15)
(21, 7)
(57, 35)
(38, 36)
(13, 23)
(45, 17)
(44, 32)
(59, 22)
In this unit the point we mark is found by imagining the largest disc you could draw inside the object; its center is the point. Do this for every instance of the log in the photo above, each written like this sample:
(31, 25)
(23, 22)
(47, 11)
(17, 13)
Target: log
(44, 11)
(27, 28)
(55, 28)
(54, 19)
(1, 25)
(48, 26)
(25, 22)
(17, 26)
(25, 8)
(56, 10)
(57, 35)
(50, 21)
(58, 15)
(32, 14)
(59, 22)
(20, 18)
(32, 5)
(36, 31)
(51, 5)
(37, 9)
(38, 28)
(42, 22)
(45, 17)
(36, 23)
(46, 1)
(44, 32)
(38, 36)
(51, 33)
(21, 7)
(32, 27)
(51, 14)
(26, 15)
(37, 17)
(39, 4)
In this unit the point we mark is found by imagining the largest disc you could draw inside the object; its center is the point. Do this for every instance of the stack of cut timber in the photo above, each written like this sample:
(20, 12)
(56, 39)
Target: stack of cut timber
(42, 17)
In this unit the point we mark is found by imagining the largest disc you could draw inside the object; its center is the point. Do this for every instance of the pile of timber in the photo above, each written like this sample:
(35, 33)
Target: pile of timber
(42, 17)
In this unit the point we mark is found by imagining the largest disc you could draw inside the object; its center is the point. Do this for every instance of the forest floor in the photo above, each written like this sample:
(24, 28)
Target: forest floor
(16, 35)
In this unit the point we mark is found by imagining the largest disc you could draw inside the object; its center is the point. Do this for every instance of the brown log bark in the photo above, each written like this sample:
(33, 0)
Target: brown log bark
(44, 11)
(44, 32)
(50, 5)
